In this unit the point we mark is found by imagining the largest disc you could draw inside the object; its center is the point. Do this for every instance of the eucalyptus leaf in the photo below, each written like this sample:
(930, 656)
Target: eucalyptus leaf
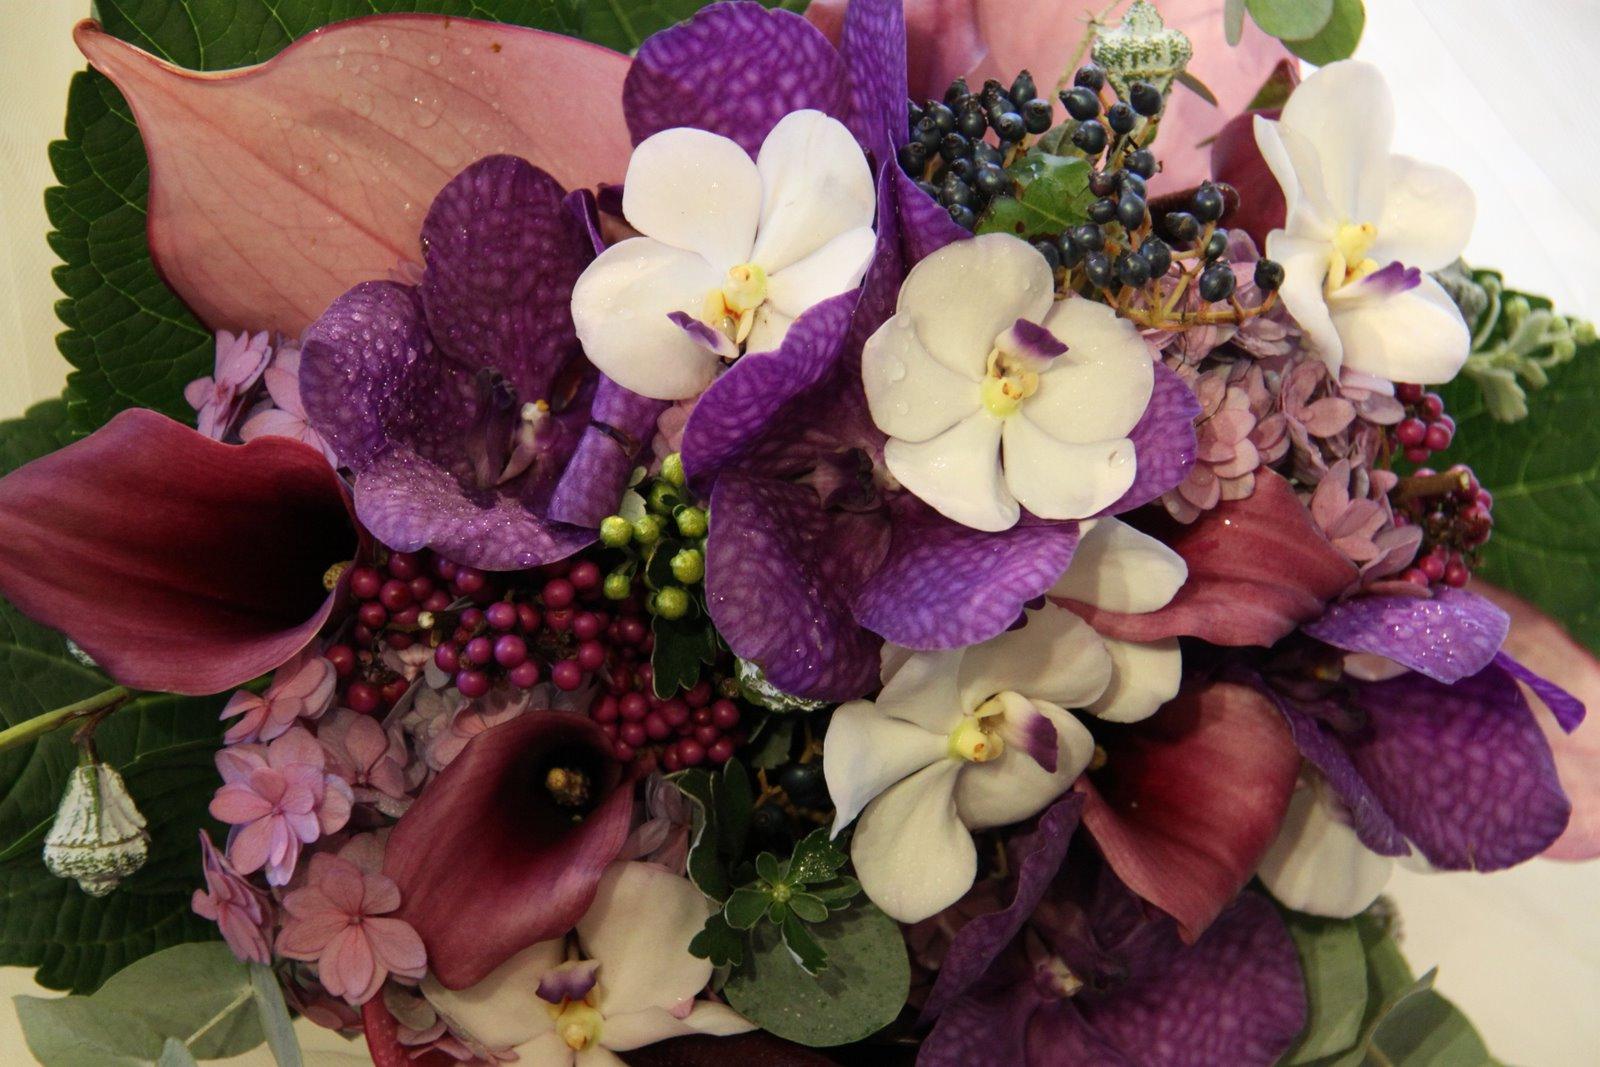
(1233, 21)
(1338, 39)
(273, 1014)
(861, 992)
(1290, 20)
(1334, 964)
(176, 1054)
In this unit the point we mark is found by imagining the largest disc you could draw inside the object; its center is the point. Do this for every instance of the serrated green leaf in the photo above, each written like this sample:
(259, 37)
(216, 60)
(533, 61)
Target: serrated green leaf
(1338, 38)
(816, 858)
(1334, 964)
(808, 907)
(803, 948)
(722, 803)
(746, 907)
(1055, 196)
(837, 893)
(1544, 472)
(718, 942)
(1290, 20)
(861, 992)
(682, 647)
(771, 741)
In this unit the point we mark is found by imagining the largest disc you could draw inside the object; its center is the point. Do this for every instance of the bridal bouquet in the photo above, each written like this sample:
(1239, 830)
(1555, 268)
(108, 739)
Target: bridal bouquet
(561, 557)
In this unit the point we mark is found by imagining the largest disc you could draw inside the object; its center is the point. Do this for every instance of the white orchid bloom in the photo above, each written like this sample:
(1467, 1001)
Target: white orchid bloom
(634, 983)
(997, 397)
(959, 741)
(733, 251)
(1317, 864)
(1117, 568)
(1362, 227)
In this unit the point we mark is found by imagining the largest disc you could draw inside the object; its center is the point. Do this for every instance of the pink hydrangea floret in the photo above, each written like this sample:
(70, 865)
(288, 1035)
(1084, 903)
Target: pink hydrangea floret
(241, 911)
(301, 689)
(340, 920)
(278, 798)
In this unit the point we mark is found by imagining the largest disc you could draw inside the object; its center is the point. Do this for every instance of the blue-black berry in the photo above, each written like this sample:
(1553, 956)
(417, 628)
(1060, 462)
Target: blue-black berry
(954, 192)
(1010, 127)
(1103, 210)
(1208, 204)
(1145, 98)
(991, 181)
(1182, 227)
(1120, 117)
(1090, 137)
(913, 158)
(928, 134)
(1037, 115)
(1132, 269)
(1158, 254)
(1216, 245)
(1131, 211)
(1082, 104)
(984, 152)
(963, 168)
(1023, 89)
(1047, 249)
(1103, 183)
(953, 146)
(1097, 265)
(963, 216)
(1142, 162)
(1071, 251)
(957, 92)
(972, 122)
(1269, 275)
(1090, 76)
(1090, 237)
(1217, 282)
(942, 117)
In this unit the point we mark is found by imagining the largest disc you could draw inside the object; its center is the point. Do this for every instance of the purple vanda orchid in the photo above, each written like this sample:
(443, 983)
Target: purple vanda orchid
(460, 403)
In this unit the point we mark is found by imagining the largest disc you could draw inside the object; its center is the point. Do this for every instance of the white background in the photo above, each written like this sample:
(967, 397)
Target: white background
(1506, 92)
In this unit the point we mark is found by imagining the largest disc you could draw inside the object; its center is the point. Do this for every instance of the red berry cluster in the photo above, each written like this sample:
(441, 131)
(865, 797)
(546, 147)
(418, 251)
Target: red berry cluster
(1456, 522)
(1426, 429)
(689, 729)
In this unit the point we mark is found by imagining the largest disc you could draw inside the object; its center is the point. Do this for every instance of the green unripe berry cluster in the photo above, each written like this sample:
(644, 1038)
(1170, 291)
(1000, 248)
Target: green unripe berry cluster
(665, 544)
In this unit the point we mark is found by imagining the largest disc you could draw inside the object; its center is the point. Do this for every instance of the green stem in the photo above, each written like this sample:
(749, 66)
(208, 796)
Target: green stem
(36, 727)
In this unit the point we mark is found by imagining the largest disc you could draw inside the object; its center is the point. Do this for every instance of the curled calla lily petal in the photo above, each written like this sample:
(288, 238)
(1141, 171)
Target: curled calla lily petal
(494, 838)
(1189, 800)
(1258, 567)
(134, 541)
(349, 133)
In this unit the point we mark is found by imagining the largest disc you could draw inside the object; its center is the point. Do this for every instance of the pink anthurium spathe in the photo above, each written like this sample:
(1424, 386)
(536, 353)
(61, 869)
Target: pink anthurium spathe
(275, 188)
(177, 563)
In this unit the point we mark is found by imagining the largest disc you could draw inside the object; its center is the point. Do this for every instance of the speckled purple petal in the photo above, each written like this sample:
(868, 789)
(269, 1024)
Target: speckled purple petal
(1236, 996)
(980, 941)
(582, 205)
(1318, 743)
(1163, 440)
(1567, 709)
(621, 424)
(1447, 638)
(409, 503)
(874, 48)
(1463, 769)
(779, 573)
(502, 254)
(944, 585)
(734, 69)
(362, 364)
(991, 1031)
(925, 226)
(738, 409)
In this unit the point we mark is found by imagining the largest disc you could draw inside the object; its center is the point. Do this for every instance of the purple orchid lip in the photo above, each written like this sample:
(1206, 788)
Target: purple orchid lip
(711, 340)
(1392, 280)
(1040, 742)
(1026, 338)
(570, 981)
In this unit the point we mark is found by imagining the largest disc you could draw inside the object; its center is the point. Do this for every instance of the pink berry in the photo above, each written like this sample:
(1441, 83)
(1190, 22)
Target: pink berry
(1456, 574)
(671, 760)
(622, 751)
(510, 651)
(470, 580)
(1432, 565)
(1417, 455)
(525, 675)
(445, 569)
(675, 712)
(404, 565)
(372, 615)
(479, 651)
(558, 620)
(567, 675)
(725, 714)
(1438, 438)
(421, 587)
(361, 698)
(343, 658)
(634, 707)
(361, 635)
(632, 733)
(631, 631)
(473, 619)
(472, 683)
(591, 655)
(407, 616)
(501, 615)
(1410, 432)
(365, 583)
(587, 626)
(1432, 405)
(559, 593)
(721, 752)
(399, 641)
(699, 695)
(691, 752)
(1407, 392)
(646, 675)
(605, 709)
(393, 691)
(437, 601)
(447, 658)
(707, 735)
(1415, 576)
(585, 576)
(528, 618)
(656, 727)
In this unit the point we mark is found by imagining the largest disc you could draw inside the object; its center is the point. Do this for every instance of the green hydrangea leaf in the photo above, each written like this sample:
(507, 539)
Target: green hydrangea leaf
(1055, 197)
(624, 24)
(722, 802)
(861, 992)
(1337, 39)
(682, 647)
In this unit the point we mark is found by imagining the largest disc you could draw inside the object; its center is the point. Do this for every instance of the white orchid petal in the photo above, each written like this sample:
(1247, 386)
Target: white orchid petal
(620, 307)
(923, 690)
(958, 473)
(912, 396)
(593, 1056)
(640, 1028)
(694, 190)
(961, 298)
(815, 186)
(1118, 568)
(1301, 213)
(1427, 215)
(834, 268)
(912, 855)
(1317, 864)
(1057, 480)
(1413, 336)
(504, 1009)
(1100, 387)
(1305, 269)
(1055, 656)
(1346, 113)
(639, 928)
(768, 331)
(1015, 786)
(866, 752)
(1144, 676)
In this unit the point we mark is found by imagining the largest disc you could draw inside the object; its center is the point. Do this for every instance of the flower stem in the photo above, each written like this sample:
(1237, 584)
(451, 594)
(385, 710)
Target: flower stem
(99, 705)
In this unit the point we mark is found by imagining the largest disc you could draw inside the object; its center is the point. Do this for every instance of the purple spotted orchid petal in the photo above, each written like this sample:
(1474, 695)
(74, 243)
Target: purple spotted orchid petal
(1567, 709)
(874, 46)
(925, 226)
(978, 943)
(990, 1031)
(621, 425)
(944, 585)
(1449, 637)
(1163, 440)
(582, 205)
(568, 981)
(734, 69)
(779, 575)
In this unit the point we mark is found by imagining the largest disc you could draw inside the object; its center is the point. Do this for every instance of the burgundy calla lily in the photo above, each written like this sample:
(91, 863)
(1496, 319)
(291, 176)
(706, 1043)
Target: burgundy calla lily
(506, 846)
(178, 563)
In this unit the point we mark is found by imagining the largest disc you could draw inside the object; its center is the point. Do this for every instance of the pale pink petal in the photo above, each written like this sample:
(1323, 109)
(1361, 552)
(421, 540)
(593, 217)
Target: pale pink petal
(334, 811)
(305, 939)
(343, 884)
(397, 946)
(347, 967)
(275, 188)
(296, 746)
(379, 895)
(250, 848)
(236, 804)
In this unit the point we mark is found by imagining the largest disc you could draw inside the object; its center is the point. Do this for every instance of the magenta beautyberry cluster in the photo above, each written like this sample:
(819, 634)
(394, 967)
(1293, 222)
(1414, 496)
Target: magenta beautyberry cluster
(692, 728)
(1456, 516)
(1426, 429)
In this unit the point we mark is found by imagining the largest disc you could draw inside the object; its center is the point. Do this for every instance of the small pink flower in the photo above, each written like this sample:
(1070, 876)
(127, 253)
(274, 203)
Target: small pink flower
(286, 415)
(221, 398)
(340, 920)
(300, 689)
(364, 755)
(241, 911)
(278, 797)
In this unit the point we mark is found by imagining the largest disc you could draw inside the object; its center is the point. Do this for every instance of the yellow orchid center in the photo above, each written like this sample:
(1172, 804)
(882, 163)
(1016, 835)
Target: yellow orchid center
(1348, 261)
(731, 309)
(975, 738)
(1007, 381)
(578, 1024)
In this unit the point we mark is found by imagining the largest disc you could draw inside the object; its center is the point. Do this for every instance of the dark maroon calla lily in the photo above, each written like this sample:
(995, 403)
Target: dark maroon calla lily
(1237, 160)
(1189, 799)
(1258, 568)
(495, 855)
(178, 563)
